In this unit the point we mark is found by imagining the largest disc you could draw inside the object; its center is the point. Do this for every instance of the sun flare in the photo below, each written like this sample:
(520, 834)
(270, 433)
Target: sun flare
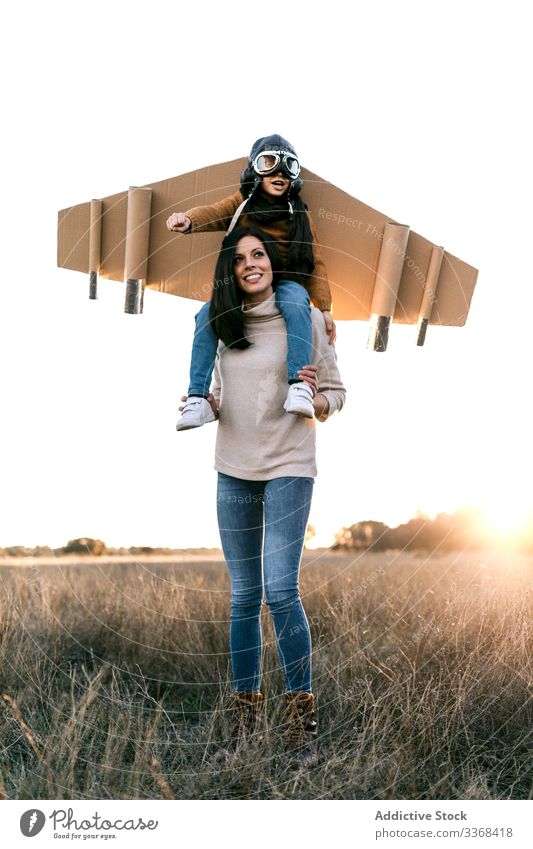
(506, 520)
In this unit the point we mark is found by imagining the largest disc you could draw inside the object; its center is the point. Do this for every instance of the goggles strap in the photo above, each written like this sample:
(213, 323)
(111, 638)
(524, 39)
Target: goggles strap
(236, 216)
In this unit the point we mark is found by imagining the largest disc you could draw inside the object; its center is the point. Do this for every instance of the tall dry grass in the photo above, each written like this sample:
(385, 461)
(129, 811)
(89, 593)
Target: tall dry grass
(114, 677)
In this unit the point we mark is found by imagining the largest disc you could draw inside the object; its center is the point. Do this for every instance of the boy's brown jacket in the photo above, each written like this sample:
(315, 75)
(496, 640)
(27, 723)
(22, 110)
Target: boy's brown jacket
(218, 217)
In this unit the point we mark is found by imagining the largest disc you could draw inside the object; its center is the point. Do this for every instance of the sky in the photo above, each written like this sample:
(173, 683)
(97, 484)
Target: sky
(419, 110)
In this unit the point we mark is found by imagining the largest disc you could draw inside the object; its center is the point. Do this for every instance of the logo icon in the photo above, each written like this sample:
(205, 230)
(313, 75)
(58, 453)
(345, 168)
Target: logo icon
(32, 822)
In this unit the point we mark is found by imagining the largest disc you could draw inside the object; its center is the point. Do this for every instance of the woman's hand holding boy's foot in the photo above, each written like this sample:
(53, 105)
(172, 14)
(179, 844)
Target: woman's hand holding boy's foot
(197, 411)
(320, 403)
(330, 326)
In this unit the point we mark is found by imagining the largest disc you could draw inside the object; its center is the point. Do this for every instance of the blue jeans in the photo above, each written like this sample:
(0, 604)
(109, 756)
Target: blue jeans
(292, 300)
(262, 528)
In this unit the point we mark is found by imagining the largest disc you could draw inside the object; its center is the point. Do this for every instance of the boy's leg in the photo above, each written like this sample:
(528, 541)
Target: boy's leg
(204, 351)
(197, 410)
(293, 303)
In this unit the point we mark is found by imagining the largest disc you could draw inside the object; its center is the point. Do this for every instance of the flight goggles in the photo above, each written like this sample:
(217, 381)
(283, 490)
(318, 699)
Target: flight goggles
(271, 161)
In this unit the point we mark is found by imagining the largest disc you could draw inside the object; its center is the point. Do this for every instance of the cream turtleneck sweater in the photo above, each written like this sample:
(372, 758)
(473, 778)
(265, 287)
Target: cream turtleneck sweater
(257, 439)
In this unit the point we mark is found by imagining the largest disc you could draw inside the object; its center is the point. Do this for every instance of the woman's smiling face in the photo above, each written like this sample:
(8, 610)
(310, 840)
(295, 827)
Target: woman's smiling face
(252, 269)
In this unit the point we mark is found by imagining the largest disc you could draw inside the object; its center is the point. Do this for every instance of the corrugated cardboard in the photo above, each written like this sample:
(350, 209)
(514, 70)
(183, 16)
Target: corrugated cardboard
(351, 236)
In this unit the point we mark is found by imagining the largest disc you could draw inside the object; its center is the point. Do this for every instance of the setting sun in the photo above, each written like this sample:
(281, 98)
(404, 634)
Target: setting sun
(506, 522)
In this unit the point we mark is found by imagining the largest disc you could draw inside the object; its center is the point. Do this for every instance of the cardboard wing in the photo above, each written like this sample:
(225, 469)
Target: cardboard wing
(378, 269)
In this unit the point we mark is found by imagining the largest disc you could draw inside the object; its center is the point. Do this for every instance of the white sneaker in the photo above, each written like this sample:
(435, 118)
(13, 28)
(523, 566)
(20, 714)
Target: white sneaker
(196, 412)
(300, 400)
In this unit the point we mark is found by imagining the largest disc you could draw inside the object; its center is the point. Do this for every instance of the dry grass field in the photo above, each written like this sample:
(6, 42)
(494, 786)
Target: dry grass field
(114, 675)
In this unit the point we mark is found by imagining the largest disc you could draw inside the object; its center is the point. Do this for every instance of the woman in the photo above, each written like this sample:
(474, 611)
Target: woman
(266, 466)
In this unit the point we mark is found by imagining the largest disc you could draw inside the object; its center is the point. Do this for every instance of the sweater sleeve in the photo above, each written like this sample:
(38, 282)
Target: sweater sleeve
(318, 285)
(217, 216)
(329, 380)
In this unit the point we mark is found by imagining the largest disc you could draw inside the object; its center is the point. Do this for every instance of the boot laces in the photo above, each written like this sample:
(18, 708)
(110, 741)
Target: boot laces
(301, 723)
(246, 716)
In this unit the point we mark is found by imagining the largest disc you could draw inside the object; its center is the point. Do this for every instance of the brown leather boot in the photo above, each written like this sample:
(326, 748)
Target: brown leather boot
(301, 729)
(247, 720)
(246, 710)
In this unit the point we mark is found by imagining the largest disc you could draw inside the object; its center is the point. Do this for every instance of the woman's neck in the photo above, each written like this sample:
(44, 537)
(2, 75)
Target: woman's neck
(251, 300)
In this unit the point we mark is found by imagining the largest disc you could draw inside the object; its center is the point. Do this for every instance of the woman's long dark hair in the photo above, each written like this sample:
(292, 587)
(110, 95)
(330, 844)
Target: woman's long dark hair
(225, 313)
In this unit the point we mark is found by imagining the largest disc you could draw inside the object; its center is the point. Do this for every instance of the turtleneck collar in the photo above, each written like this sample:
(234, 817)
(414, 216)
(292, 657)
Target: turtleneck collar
(263, 311)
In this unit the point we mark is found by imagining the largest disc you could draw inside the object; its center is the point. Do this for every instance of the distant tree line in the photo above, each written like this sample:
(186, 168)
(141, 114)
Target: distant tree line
(82, 545)
(464, 530)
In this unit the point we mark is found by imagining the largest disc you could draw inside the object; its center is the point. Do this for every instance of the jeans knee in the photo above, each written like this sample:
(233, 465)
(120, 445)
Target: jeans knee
(293, 292)
(281, 601)
(245, 606)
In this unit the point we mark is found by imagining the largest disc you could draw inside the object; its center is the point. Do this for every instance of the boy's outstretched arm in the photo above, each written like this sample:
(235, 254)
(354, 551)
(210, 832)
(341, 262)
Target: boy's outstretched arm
(201, 219)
